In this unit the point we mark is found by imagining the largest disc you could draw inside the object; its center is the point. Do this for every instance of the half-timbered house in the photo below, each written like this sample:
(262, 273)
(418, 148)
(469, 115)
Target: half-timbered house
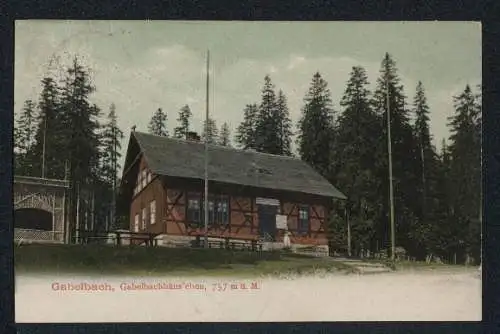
(163, 185)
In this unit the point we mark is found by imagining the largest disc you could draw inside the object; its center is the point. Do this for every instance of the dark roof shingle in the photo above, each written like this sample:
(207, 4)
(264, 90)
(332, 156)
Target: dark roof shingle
(180, 158)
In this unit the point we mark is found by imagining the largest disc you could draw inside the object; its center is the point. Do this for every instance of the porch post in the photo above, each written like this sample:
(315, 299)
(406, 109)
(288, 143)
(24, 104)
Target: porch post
(53, 216)
(64, 222)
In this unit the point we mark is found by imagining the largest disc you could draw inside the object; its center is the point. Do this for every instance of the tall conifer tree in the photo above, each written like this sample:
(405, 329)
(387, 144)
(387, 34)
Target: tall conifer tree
(246, 131)
(465, 171)
(24, 140)
(111, 139)
(80, 133)
(428, 171)
(315, 127)
(354, 156)
(49, 140)
(284, 125)
(403, 157)
(110, 165)
(266, 134)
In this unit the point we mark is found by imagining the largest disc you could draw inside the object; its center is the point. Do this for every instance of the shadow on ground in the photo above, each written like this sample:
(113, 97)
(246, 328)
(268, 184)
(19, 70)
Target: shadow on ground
(148, 260)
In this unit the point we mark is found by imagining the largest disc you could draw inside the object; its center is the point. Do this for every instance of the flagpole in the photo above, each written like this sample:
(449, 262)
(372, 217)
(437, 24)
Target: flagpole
(112, 222)
(205, 202)
(391, 194)
(481, 207)
(43, 146)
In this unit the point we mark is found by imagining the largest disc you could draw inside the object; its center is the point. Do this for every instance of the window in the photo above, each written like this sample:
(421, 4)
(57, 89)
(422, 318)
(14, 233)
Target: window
(138, 184)
(193, 210)
(202, 212)
(264, 171)
(223, 211)
(152, 212)
(260, 170)
(144, 178)
(212, 217)
(218, 210)
(303, 224)
(136, 223)
(144, 213)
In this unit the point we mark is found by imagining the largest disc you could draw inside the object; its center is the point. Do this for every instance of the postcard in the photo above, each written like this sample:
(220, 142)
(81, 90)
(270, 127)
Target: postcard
(201, 171)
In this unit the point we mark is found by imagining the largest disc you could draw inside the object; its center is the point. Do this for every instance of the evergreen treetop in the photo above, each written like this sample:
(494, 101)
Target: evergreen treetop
(209, 132)
(315, 127)
(184, 120)
(246, 131)
(225, 135)
(284, 124)
(158, 123)
(266, 134)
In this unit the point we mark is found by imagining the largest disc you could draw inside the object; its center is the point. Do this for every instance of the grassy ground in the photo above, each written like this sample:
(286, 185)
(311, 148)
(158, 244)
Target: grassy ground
(111, 260)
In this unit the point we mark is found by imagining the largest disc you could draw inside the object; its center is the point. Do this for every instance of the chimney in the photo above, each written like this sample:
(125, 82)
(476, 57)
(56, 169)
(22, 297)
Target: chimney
(193, 136)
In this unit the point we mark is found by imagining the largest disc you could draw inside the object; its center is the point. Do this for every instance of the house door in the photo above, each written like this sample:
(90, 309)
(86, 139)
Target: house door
(267, 221)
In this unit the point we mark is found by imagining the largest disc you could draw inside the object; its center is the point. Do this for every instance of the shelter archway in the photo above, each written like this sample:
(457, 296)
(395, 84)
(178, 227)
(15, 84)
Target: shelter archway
(40, 209)
(33, 219)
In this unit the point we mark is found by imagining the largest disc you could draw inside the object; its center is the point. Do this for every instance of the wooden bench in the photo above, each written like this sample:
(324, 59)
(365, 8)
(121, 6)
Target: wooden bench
(230, 243)
(148, 241)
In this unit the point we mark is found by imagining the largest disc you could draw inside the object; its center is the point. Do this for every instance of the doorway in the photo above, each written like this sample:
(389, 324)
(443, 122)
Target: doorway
(267, 221)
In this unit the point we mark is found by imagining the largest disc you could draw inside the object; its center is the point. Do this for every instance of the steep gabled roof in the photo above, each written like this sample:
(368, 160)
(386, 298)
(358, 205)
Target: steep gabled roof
(185, 159)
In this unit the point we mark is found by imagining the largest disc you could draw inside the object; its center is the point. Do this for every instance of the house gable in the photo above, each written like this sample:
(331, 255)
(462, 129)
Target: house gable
(148, 200)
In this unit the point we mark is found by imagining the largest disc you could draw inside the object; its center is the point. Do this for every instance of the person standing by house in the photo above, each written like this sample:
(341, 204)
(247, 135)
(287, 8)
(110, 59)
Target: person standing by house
(286, 240)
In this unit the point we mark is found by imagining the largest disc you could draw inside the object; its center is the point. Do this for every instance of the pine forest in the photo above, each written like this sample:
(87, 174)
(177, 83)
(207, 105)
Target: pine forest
(437, 196)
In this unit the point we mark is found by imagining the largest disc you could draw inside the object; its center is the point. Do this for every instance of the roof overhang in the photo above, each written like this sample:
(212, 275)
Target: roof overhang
(272, 191)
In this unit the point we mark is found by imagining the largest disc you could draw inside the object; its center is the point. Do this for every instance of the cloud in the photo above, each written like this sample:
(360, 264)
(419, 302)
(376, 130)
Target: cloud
(170, 76)
(294, 62)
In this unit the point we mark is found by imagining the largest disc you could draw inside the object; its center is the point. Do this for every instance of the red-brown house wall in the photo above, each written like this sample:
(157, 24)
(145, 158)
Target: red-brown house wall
(317, 222)
(175, 216)
(243, 221)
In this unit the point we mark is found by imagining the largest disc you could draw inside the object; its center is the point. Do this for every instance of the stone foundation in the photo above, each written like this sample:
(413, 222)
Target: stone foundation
(185, 241)
(174, 240)
(316, 250)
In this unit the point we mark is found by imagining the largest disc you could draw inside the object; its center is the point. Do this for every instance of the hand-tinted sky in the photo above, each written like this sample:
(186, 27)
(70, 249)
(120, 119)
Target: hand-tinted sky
(141, 66)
